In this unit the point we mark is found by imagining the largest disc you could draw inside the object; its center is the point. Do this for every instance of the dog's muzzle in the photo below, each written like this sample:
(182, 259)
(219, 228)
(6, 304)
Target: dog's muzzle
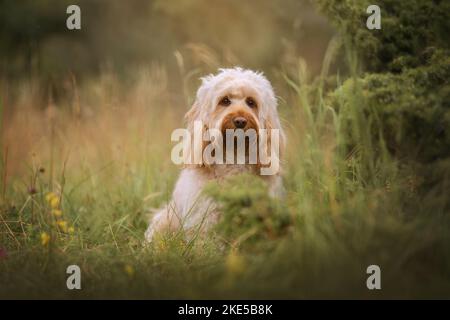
(239, 120)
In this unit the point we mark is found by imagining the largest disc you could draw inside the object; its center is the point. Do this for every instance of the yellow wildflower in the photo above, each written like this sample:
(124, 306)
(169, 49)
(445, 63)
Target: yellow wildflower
(57, 212)
(54, 203)
(235, 263)
(52, 199)
(71, 229)
(49, 196)
(62, 225)
(129, 270)
(45, 238)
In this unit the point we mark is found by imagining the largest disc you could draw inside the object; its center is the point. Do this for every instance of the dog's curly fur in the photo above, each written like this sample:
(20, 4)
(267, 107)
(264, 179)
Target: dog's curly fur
(189, 209)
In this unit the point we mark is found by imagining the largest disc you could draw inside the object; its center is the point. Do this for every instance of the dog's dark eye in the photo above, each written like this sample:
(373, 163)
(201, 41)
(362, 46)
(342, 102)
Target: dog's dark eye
(225, 102)
(250, 102)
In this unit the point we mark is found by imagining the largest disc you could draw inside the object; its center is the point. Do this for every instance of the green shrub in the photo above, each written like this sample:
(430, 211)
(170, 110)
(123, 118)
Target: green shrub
(247, 212)
(408, 29)
(404, 82)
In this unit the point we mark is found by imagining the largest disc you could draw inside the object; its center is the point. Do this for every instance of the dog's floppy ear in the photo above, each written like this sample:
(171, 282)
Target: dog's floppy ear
(192, 114)
(196, 127)
(272, 122)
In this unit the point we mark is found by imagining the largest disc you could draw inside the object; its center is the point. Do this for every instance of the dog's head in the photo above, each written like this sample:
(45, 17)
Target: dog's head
(235, 99)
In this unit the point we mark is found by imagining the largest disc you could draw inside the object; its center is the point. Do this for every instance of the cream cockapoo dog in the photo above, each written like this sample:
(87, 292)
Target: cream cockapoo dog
(232, 99)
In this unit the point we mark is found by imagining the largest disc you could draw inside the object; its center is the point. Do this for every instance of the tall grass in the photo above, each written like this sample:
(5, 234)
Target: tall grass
(345, 206)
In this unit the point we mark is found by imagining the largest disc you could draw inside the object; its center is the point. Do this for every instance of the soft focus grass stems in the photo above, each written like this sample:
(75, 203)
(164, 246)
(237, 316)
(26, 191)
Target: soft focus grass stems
(118, 167)
(347, 195)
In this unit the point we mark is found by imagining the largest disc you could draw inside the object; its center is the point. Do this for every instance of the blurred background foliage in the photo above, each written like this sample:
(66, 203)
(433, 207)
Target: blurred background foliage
(405, 71)
(124, 35)
(409, 28)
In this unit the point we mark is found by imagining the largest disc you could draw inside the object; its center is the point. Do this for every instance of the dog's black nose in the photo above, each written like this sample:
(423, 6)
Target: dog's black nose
(240, 122)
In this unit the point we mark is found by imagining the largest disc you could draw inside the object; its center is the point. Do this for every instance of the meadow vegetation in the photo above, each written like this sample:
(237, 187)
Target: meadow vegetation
(366, 174)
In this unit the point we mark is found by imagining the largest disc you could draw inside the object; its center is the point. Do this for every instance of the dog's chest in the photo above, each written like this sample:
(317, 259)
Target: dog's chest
(223, 171)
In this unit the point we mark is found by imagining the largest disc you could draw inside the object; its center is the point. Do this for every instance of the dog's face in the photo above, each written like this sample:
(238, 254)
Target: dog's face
(236, 108)
(235, 99)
